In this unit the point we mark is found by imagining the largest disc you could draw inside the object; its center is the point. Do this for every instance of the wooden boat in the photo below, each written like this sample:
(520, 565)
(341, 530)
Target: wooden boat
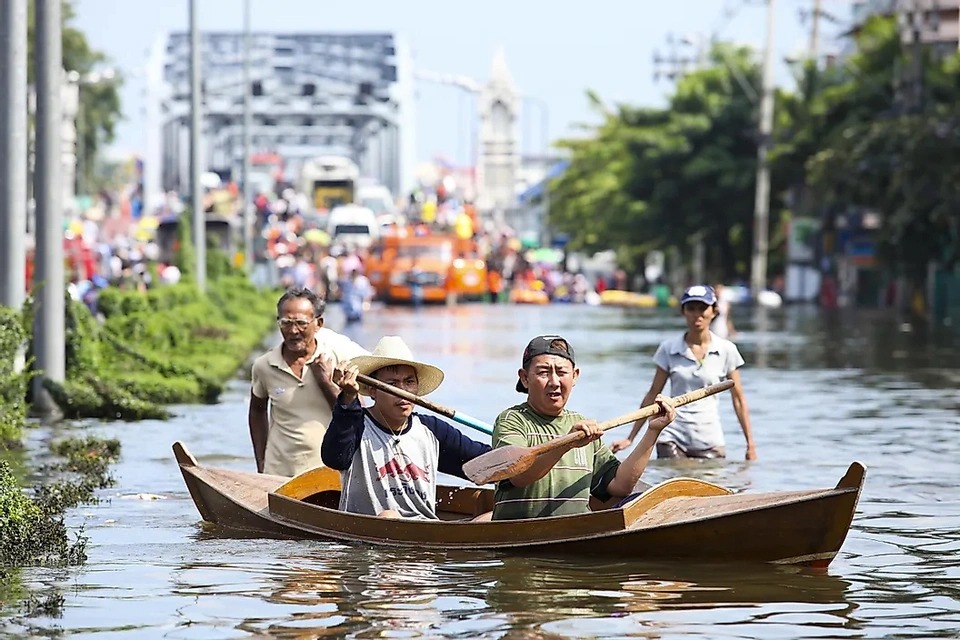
(682, 518)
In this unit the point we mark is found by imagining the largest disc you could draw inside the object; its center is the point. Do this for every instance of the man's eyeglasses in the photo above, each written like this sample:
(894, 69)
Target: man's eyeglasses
(289, 323)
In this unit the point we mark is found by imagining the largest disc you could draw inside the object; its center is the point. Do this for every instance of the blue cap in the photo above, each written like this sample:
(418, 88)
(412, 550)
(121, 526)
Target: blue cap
(699, 293)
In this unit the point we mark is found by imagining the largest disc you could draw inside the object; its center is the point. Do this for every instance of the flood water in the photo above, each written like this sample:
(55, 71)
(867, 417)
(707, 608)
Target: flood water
(823, 391)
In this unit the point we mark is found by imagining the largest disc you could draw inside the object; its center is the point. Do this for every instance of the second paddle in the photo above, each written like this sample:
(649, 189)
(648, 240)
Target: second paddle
(506, 462)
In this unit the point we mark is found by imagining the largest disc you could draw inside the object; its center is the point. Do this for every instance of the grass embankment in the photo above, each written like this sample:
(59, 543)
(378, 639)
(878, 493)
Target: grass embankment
(13, 383)
(170, 345)
(32, 529)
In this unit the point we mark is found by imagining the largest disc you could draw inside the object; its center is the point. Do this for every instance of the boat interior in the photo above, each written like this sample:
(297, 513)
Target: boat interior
(321, 487)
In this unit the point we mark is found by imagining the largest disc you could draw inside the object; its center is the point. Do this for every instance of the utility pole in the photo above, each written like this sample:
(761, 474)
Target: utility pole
(48, 340)
(471, 87)
(196, 189)
(13, 154)
(917, 19)
(761, 211)
(815, 30)
(247, 187)
(673, 67)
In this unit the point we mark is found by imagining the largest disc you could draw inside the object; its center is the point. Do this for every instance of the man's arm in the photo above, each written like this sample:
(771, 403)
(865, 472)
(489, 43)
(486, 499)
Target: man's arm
(322, 369)
(455, 448)
(323, 366)
(342, 438)
(259, 426)
(505, 433)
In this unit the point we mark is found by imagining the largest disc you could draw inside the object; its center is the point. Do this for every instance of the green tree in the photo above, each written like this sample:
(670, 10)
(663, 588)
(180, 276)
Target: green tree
(882, 151)
(100, 102)
(648, 179)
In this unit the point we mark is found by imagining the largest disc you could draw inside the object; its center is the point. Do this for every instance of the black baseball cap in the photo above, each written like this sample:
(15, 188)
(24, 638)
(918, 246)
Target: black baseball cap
(545, 345)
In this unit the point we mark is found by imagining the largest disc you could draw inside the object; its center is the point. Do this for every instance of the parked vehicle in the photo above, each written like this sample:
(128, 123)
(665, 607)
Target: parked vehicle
(223, 233)
(329, 181)
(377, 198)
(353, 226)
(433, 266)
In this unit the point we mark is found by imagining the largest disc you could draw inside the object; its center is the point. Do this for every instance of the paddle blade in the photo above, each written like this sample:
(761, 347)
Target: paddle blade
(499, 464)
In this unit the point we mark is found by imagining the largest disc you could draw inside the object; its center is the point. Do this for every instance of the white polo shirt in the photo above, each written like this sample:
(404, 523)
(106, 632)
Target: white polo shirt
(299, 412)
(697, 425)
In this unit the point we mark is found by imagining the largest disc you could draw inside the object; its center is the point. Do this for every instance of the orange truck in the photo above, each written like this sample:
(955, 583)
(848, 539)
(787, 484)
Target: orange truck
(441, 264)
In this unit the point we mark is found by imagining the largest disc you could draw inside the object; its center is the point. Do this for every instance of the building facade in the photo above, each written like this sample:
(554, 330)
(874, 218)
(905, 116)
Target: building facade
(311, 94)
(936, 23)
(499, 158)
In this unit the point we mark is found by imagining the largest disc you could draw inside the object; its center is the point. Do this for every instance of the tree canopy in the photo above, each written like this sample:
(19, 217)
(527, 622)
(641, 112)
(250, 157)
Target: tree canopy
(100, 102)
(861, 134)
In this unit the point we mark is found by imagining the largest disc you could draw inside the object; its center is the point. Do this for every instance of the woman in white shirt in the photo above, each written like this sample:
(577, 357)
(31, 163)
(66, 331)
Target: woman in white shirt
(693, 360)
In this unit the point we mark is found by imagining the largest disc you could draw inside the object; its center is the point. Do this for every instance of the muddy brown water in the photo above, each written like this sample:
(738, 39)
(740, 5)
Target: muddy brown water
(823, 391)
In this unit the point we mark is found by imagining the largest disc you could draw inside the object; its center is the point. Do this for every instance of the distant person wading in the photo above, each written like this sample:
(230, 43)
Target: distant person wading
(695, 359)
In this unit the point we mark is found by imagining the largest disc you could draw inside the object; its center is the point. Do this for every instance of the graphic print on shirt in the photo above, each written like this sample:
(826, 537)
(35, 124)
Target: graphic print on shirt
(391, 471)
(405, 475)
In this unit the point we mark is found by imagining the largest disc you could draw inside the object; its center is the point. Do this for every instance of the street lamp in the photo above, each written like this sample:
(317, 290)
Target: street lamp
(544, 109)
(91, 79)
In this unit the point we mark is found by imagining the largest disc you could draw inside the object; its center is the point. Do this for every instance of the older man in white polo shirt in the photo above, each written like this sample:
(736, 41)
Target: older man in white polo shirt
(291, 392)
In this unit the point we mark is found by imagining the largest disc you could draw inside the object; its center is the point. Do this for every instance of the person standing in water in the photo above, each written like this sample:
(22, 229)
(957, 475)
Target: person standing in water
(693, 360)
(722, 324)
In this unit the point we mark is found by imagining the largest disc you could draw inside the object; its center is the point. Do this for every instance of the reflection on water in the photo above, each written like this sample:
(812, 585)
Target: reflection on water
(334, 590)
(823, 391)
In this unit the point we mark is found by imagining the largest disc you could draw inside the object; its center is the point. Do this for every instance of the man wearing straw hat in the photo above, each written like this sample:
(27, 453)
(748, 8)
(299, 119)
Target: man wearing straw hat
(389, 456)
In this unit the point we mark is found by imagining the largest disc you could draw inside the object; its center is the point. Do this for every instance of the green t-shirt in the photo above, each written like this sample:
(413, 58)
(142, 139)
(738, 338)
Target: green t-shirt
(567, 488)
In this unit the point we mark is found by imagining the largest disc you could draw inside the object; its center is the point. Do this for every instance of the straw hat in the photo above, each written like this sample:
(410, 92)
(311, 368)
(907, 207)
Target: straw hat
(392, 350)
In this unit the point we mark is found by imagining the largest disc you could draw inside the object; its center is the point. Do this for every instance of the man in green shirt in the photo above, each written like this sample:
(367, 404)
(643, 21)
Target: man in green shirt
(561, 482)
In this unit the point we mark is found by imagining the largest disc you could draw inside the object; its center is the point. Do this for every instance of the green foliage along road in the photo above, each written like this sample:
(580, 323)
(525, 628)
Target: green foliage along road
(863, 133)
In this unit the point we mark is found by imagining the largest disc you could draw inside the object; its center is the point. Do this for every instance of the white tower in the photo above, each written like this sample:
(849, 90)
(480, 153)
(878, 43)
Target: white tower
(499, 160)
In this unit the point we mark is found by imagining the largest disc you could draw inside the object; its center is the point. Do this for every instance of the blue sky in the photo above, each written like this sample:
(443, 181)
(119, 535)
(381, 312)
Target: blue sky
(555, 50)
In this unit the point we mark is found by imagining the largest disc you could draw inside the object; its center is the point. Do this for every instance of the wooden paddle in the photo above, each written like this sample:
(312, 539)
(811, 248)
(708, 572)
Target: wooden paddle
(506, 462)
(458, 416)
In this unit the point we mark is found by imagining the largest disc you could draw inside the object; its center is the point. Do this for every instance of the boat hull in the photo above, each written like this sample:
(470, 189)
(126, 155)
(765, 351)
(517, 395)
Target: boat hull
(683, 518)
(233, 499)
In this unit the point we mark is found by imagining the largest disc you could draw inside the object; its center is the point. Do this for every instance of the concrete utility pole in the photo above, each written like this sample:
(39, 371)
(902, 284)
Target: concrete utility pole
(761, 211)
(915, 17)
(247, 118)
(48, 338)
(196, 189)
(673, 67)
(815, 29)
(13, 153)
